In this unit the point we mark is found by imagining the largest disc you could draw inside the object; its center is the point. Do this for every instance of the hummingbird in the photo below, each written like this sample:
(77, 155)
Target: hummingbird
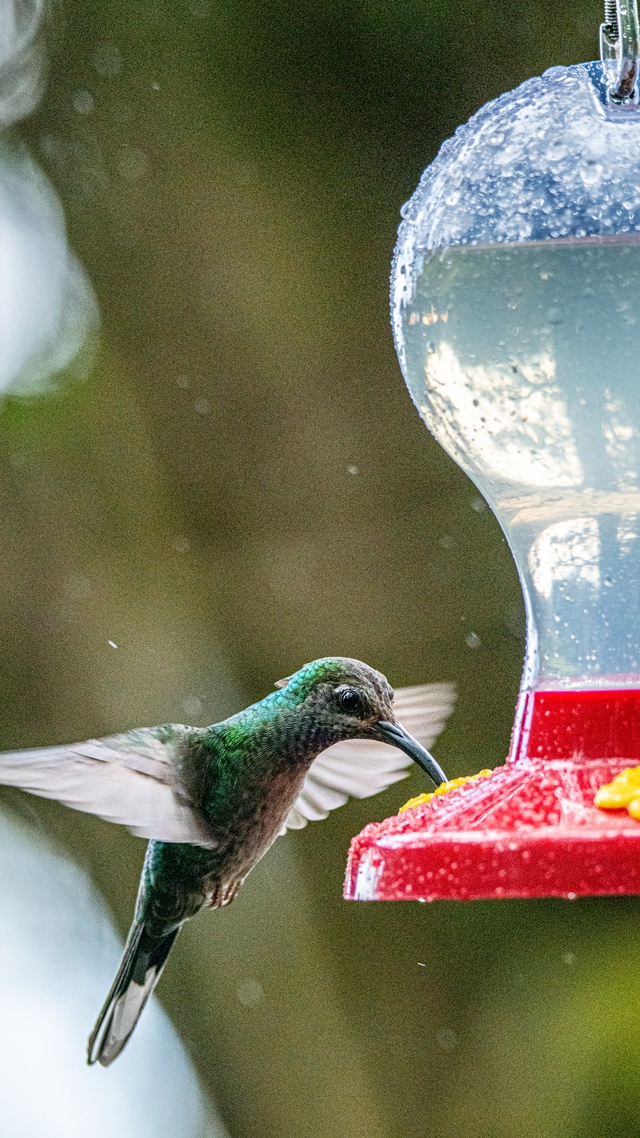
(214, 799)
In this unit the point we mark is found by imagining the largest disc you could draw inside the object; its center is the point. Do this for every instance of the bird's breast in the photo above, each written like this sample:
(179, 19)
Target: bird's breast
(251, 819)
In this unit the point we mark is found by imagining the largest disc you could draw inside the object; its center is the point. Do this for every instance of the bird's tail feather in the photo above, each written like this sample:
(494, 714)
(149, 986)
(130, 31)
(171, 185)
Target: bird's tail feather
(140, 969)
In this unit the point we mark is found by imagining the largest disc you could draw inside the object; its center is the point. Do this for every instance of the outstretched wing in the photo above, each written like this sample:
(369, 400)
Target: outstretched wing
(123, 778)
(359, 768)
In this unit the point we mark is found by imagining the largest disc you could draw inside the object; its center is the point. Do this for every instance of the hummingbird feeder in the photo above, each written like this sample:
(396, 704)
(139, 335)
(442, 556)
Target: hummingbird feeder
(516, 313)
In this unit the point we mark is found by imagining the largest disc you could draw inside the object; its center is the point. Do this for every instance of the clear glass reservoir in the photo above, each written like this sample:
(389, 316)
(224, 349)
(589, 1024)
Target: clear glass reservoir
(516, 311)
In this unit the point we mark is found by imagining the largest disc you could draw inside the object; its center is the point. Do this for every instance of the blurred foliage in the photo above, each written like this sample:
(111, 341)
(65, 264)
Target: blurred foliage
(241, 485)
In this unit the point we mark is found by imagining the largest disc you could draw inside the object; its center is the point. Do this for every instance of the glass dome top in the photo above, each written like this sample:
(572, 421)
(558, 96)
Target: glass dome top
(550, 159)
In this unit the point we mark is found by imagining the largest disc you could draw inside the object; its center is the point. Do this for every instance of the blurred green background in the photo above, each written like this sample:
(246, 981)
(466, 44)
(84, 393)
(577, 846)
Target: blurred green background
(241, 485)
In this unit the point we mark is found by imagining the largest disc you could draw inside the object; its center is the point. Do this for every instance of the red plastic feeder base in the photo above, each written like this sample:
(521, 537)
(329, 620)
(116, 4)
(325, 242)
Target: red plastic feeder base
(528, 830)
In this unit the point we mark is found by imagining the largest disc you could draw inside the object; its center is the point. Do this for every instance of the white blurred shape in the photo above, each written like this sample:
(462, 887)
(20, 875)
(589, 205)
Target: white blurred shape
(22, 61)
(47, 306)
(58, 954)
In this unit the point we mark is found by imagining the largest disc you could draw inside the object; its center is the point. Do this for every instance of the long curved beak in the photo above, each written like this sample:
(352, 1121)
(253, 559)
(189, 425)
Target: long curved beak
(396, 735)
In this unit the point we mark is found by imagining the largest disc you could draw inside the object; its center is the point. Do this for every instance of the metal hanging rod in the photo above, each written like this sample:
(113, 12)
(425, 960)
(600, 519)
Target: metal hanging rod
(620, 41)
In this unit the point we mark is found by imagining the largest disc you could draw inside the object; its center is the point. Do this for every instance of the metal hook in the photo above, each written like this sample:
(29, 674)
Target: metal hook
(620, 41)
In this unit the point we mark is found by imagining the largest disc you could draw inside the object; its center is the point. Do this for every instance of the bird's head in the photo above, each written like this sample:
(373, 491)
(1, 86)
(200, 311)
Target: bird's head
(343, 698)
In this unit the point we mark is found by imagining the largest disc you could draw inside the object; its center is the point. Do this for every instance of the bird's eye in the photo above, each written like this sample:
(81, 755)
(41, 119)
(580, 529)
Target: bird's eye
(350, 700)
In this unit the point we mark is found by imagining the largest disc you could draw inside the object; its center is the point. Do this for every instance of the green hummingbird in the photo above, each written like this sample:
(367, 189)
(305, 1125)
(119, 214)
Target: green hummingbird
(214, 799)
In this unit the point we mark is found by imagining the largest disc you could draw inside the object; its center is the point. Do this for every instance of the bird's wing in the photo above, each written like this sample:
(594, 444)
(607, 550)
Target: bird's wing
(359, 768)
(123, 778)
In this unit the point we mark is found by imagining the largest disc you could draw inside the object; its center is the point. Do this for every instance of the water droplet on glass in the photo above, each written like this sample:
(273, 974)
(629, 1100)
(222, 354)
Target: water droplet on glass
(591, 172)
(556, 152)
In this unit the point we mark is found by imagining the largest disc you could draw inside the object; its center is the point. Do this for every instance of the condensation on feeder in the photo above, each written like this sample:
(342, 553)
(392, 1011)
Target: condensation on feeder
(544, 161)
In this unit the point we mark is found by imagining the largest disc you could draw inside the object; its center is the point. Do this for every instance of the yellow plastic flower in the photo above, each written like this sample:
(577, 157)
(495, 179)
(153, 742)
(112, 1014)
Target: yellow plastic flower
(445, 787)
(623, 791)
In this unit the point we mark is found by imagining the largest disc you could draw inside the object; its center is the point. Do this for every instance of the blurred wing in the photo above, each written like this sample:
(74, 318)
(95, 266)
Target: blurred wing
(359, 768)
(124, 778)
